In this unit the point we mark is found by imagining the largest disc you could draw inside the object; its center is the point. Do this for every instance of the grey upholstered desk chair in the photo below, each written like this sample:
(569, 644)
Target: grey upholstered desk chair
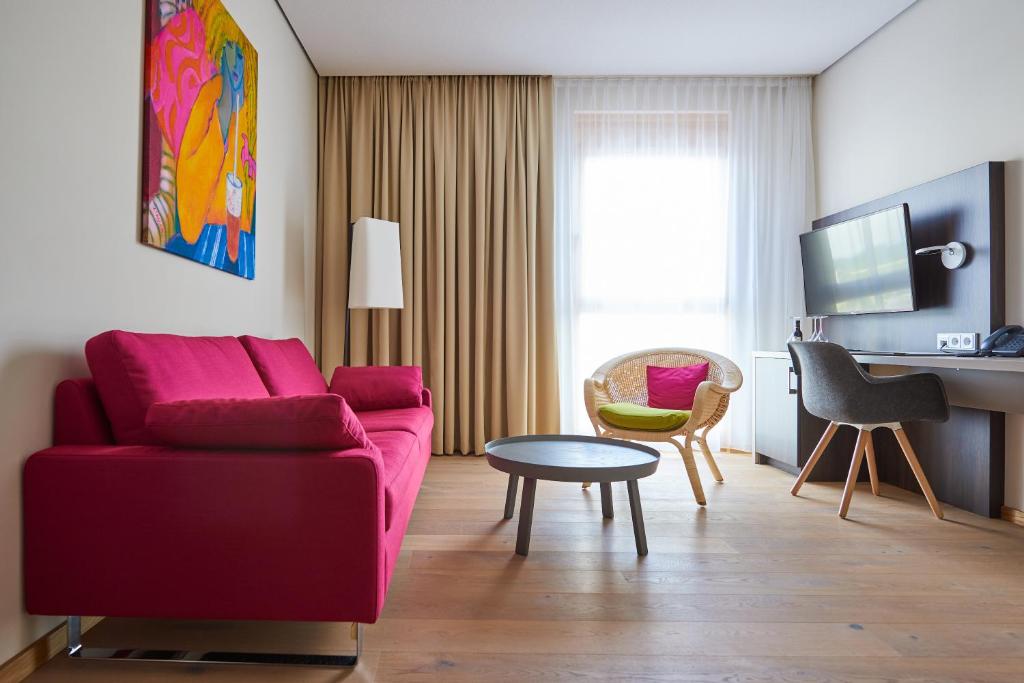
(835, 388)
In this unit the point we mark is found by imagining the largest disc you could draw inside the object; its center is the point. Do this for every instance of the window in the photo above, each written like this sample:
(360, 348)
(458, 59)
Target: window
(648, 249)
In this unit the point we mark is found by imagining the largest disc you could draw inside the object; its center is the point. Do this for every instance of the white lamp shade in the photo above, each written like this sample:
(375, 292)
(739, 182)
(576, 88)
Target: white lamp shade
(375, 276)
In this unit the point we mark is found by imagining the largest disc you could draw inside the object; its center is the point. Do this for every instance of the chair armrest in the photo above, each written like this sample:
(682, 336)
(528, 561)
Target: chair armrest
(428, 399)
(595, 395)
(917, 396)
(706, 403)
(152, 532)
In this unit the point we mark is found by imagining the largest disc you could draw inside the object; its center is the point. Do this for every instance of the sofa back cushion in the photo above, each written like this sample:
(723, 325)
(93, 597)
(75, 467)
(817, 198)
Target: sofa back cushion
(379, 387)
(132, 371)
(285, 365)
(319, 421)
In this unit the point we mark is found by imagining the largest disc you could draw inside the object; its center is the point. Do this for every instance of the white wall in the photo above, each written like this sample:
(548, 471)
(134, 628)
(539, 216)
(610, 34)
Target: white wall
(937, 90)
(72, 265)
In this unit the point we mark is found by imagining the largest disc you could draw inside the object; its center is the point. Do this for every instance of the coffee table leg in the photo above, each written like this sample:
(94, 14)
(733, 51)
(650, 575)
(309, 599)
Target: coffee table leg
(526, 517)
(606, 500)
(638, 517)
(510, 497)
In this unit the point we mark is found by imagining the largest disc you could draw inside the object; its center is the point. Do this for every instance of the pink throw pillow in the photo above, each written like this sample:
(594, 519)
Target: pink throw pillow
(379, 387)
(674, 388)
(315, 422)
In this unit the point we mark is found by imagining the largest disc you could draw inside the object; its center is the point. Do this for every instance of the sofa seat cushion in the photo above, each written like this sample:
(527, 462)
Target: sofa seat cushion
(379, 387)
(400, 453)
(316, 422)
(642, 418)
(285, 365)
(413, 420)
(133, 371)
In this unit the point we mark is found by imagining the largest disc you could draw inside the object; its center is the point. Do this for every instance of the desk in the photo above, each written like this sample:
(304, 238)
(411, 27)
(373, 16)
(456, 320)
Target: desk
(964, 458)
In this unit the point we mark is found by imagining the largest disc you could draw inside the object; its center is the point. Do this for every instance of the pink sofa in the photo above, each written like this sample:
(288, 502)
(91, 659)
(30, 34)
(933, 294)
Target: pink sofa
(117, 524)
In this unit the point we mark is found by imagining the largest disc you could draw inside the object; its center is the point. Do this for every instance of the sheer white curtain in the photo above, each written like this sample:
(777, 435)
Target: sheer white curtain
(678, 202)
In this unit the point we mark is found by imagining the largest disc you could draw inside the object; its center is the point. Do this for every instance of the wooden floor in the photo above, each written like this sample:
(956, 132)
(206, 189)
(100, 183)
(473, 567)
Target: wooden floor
(759, 586)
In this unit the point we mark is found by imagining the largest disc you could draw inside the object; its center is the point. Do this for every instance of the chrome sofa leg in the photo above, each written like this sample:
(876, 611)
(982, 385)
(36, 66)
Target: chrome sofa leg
(74, 636)
(76, 650)
(357, 635)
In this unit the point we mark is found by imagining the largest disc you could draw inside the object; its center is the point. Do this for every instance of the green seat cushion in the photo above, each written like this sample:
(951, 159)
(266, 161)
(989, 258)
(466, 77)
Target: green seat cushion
(642, 418)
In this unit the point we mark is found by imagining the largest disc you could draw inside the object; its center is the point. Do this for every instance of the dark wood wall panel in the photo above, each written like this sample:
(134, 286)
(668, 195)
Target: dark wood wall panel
(966, 206)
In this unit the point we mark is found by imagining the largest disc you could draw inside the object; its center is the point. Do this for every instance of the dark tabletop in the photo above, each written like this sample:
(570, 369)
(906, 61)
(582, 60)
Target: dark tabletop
(575, 458)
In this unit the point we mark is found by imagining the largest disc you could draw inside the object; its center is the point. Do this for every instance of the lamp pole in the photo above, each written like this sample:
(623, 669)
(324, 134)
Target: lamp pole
(346, 358)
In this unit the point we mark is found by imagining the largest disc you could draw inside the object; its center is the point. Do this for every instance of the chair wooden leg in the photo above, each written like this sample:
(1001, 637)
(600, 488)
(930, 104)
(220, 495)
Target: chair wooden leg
(823, 442)
(851, 480)
(908, 452)
(869, 455)
(691, 470)
(712, 465)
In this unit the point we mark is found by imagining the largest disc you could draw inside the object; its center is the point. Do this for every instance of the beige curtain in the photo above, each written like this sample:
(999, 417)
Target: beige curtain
(464, 165)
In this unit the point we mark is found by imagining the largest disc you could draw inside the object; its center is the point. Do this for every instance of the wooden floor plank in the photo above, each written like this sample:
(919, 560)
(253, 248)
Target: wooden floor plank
(530, 580)
(581, 544)
(954, 640)
(627, 638)
(718, 563)
(471, 603)
(458, 667)
(664, 525)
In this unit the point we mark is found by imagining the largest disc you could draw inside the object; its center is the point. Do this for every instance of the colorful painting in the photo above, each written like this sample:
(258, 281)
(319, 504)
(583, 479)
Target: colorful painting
(199, 135)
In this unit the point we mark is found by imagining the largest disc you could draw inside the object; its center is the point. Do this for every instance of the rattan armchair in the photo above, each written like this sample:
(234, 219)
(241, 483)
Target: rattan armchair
(624, 379)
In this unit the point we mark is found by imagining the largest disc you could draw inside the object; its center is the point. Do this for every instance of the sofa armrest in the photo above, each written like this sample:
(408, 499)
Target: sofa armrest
(78, 416)
(428, 399)
(152, 532)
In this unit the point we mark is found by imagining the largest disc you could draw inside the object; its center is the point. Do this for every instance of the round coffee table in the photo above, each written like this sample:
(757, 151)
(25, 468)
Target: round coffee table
(555, 457)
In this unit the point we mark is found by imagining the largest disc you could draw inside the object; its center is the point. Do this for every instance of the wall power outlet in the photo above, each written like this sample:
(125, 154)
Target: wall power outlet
(963, 342)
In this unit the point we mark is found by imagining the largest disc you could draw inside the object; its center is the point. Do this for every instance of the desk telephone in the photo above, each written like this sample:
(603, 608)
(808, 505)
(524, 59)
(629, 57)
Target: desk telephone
(1008, 340)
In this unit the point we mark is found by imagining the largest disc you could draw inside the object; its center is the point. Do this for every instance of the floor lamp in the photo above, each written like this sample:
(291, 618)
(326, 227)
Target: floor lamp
(374, 270)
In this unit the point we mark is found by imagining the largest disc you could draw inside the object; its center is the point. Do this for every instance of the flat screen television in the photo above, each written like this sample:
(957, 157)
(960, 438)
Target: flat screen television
(862, 265)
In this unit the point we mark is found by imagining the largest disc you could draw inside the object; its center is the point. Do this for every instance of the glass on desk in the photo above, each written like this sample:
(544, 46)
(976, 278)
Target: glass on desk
(818, 329)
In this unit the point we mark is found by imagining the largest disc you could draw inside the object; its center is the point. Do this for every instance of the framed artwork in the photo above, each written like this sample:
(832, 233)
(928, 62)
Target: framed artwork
(199, 135)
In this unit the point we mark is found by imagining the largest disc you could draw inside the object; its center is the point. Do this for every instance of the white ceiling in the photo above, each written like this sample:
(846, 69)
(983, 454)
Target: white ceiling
(583, 37)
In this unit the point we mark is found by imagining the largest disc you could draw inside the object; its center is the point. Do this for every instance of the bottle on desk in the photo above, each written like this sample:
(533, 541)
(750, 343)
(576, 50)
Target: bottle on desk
(797, 334)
